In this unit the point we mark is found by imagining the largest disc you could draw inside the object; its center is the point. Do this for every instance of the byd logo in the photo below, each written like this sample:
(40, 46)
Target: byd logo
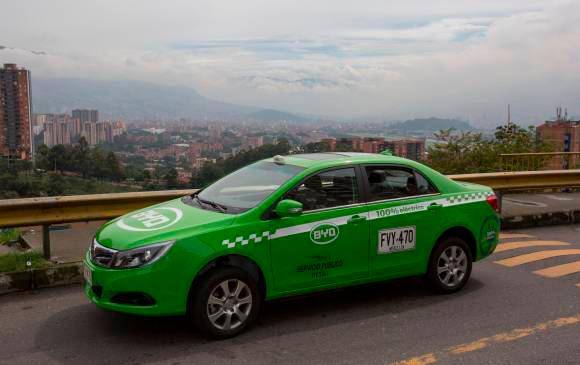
(324, 233)
(150, 220)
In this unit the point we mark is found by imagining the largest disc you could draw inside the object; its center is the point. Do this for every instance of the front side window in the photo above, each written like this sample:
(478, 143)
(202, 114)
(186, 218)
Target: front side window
(326, 190)
(246, 187)
(392, 182)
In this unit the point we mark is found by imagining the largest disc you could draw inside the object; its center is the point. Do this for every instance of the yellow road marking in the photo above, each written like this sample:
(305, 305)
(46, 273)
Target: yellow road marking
(419, 360)
(503, 236)
(536, 256)
(521, 244)
(560, 270)
(484, 342)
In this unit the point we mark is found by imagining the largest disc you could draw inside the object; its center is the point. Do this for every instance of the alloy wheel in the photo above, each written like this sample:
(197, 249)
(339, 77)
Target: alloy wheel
(229, 304)
(452, 266)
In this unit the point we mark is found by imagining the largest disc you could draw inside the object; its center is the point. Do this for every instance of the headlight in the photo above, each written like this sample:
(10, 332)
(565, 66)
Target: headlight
(141, 256)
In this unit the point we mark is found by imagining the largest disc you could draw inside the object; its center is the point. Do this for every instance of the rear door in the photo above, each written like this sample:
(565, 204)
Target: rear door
(328, 243)
(405, 217)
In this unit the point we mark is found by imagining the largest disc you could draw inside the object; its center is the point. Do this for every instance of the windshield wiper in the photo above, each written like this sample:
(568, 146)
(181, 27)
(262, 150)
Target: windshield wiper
(221, 208)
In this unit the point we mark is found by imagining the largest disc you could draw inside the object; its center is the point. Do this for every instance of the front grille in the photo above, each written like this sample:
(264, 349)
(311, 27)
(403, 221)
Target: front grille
(101, 255)
(133, 298)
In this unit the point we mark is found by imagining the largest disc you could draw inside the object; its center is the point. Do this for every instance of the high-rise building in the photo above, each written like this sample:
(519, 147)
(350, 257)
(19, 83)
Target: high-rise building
(56, 132)
(86, 115)
(89, 131)
(15, 113)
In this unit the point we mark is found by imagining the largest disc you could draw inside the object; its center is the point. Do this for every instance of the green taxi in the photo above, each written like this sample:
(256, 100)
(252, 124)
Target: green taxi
(290, 225)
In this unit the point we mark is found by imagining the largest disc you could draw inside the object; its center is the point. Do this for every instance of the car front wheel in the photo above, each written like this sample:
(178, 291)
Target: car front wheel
(227, 302)
(450, 265)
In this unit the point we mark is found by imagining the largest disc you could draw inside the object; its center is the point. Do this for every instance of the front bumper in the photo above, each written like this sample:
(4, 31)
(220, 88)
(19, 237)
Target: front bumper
(160, 282)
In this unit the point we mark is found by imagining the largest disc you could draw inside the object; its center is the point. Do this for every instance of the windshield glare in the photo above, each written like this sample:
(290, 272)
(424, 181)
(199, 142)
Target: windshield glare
(248, 186)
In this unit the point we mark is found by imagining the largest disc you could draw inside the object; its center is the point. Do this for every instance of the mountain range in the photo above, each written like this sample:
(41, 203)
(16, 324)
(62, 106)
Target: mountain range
(139, 100)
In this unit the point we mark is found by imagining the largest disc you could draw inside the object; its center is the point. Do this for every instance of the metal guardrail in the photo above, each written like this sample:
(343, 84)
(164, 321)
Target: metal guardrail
(54, 210)
(77, 208)
(539, 161)
(521, 180)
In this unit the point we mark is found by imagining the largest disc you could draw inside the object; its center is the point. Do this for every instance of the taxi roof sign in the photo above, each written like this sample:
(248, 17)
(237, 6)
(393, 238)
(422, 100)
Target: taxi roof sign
(279, 160)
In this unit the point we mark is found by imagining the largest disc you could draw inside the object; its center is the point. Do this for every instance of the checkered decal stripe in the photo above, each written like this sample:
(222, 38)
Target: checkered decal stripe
(240, 240)
(467, 198)
(464, 198)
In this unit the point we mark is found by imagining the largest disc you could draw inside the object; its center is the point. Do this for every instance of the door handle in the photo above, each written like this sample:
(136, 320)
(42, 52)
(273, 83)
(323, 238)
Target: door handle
(434, 206)
(356, 219)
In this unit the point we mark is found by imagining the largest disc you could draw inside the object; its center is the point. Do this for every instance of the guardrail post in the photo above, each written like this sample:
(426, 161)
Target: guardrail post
(46, 241)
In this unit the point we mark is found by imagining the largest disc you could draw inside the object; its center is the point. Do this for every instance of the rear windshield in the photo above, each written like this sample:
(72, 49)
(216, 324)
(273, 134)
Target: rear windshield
(248, 186)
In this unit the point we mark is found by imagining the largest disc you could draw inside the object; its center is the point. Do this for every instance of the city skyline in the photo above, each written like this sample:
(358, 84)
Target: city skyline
(379, 59)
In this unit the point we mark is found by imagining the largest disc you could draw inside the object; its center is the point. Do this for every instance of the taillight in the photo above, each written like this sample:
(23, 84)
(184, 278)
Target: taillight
(493, 202)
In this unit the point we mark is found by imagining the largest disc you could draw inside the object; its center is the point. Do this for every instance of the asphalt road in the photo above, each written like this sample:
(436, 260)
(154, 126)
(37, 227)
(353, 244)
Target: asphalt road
(537, 203)
(506, 315)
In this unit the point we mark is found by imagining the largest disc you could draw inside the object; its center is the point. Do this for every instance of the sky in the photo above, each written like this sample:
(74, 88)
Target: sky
(350, 59)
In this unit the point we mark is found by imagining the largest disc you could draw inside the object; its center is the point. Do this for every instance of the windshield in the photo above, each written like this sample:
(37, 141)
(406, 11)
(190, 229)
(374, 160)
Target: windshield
(248, 186)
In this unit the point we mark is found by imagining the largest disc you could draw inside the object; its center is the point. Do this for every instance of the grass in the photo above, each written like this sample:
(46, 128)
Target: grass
(8, 235)
(17, 261)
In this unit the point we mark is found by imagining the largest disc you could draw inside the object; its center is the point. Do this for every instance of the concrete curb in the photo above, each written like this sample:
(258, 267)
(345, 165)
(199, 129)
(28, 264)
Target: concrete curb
(64, 274)
(540, 220)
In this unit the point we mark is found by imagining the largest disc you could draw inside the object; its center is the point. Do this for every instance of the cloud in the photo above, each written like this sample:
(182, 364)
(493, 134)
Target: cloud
(390, 58)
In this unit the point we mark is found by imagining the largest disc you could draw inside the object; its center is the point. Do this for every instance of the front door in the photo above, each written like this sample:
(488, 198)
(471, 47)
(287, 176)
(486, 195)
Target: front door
(405, 216)
(328, 242)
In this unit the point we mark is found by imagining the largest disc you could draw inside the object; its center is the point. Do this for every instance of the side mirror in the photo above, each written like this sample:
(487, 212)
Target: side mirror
(288, 208)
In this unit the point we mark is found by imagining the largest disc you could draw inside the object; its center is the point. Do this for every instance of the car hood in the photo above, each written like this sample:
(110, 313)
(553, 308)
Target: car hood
(172, 220)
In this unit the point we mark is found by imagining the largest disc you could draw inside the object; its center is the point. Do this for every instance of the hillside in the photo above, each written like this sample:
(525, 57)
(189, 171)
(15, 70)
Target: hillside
(129, 99)
(430, 125)
(271, 115)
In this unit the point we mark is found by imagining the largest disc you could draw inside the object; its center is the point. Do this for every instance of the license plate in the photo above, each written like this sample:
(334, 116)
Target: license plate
(88, 275)
(396, 239)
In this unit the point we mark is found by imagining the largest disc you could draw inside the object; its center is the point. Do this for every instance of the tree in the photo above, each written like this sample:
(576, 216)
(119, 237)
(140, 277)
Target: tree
(469, 152)
(82, 156)
(171, 179)
(57, 158)
(114, 166)
(55, 185)
(42, 158)
(146, 175)
(315, 147)
(206, 175)
(463, 152)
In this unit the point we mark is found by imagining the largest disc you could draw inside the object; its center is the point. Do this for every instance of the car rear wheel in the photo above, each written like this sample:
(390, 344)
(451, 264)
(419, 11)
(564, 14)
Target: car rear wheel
(450, 265)
(225, 303)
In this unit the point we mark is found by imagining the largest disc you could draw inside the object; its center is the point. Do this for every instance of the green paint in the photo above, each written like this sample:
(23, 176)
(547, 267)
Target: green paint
(297, 252)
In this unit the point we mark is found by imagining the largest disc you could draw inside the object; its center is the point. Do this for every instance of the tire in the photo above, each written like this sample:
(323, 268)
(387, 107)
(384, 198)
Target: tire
(215, 307)
(450, 265)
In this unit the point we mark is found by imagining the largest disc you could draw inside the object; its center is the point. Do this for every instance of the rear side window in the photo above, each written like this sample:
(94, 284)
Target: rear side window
(392, 182)
(423, 186)
(326, 190)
